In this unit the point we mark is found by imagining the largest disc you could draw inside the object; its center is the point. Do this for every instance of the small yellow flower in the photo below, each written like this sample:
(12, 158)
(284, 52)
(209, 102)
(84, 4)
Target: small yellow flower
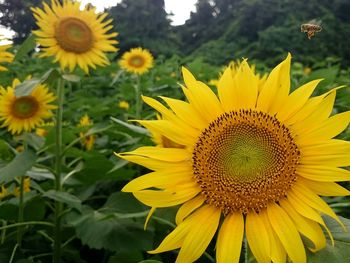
(41, 132)
(26, 187)
(20, 148)
(124, 105)
(137, 61)
(86, 140)
(26, 112)
(307, 71)
(3, 192)
(5, 56)
(172, 74)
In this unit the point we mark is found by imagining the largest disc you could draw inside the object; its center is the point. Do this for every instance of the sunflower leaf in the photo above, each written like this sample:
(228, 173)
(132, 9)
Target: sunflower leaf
(341, 250)
(26, 87)
(18, 166)
(28, 45)
(64, 197)
(131, 127)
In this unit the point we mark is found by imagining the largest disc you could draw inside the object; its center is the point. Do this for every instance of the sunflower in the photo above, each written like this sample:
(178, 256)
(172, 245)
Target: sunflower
(253, 163)
(26, 112)
(86, 140)
(74, 36)
(5, 56)
(137, 61)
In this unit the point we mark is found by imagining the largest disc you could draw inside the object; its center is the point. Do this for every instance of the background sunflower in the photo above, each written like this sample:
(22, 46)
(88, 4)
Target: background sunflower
(137, 61)
(74, 36)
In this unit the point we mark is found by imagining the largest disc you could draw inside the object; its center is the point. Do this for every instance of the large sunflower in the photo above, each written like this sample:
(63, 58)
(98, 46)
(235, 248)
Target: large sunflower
(26, 112)
(74, 36)
(137, 61)
(254, 163)
(5, 56)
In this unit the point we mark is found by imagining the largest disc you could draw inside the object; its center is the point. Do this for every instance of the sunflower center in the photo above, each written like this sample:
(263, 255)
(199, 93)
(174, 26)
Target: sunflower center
(137, 61)
(73, 35)
(245, 160)
(25, 107)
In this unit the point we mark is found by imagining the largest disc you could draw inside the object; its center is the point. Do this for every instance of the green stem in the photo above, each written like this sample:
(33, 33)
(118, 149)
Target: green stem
(58, 167)
(20, 211)
(13, 253)
(26, 224)
(138, 105)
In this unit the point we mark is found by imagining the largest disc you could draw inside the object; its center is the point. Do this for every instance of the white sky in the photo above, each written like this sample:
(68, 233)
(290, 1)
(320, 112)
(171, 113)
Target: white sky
(180, 8)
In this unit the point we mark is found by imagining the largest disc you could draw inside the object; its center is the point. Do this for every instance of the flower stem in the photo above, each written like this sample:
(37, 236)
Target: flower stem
(138, 105)
(20, 211)
(58, 167)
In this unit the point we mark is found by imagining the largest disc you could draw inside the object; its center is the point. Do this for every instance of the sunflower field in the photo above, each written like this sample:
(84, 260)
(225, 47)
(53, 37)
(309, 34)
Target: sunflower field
(120, 153)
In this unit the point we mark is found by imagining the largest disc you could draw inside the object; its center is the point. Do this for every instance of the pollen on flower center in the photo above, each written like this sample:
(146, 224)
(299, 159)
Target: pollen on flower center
(24, 107)
(73, 35)
(244, 160)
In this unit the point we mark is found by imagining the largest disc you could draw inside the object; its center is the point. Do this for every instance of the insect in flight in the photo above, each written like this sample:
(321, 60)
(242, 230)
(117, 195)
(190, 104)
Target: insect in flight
(311, 28)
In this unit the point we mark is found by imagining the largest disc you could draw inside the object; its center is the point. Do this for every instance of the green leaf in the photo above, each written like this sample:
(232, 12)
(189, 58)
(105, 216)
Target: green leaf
(28, 45)
(341, 251)
(126, 257)
(18, 166)
(123, 203)
(71, 77)
(131, 127)
(99, 230)
(64, 197)
(98, 128)
(25, 88)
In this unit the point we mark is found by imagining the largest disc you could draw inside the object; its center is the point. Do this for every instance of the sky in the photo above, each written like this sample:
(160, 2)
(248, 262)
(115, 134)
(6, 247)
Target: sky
(180, 8)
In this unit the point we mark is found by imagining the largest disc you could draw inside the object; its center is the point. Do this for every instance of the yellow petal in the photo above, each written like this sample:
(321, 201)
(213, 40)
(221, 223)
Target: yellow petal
(161, 180)
(325, 188)
(201, 97)
(323, 173)
(277, 252)
(186, 113)
(316, 118)
(297, 99)
(166, 198)
(227, 91)
(154, 164)
(307, 196)
(327, 130)
(171, 131)
(287, 233)
(229, 241)
(246, 86)
(257, 237)
(307, 227)
(149, 215)
(276, 88)
(163, 154)
(187, 208)
(200, 235)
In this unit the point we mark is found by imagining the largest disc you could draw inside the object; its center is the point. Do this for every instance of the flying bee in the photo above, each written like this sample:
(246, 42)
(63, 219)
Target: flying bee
(311, 28)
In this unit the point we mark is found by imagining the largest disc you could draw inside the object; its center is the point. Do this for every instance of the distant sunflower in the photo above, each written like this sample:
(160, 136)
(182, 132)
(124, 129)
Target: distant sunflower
(137, 61)
(253, 163)
(5, 56)
(26, 112)
(74, 36)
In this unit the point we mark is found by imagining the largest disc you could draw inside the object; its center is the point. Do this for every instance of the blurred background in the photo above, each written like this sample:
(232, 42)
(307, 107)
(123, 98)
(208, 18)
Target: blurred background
(217, 30)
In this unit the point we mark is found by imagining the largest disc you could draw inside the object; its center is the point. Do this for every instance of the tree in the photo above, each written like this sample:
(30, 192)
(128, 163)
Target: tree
(143, 23)
(16, 15)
